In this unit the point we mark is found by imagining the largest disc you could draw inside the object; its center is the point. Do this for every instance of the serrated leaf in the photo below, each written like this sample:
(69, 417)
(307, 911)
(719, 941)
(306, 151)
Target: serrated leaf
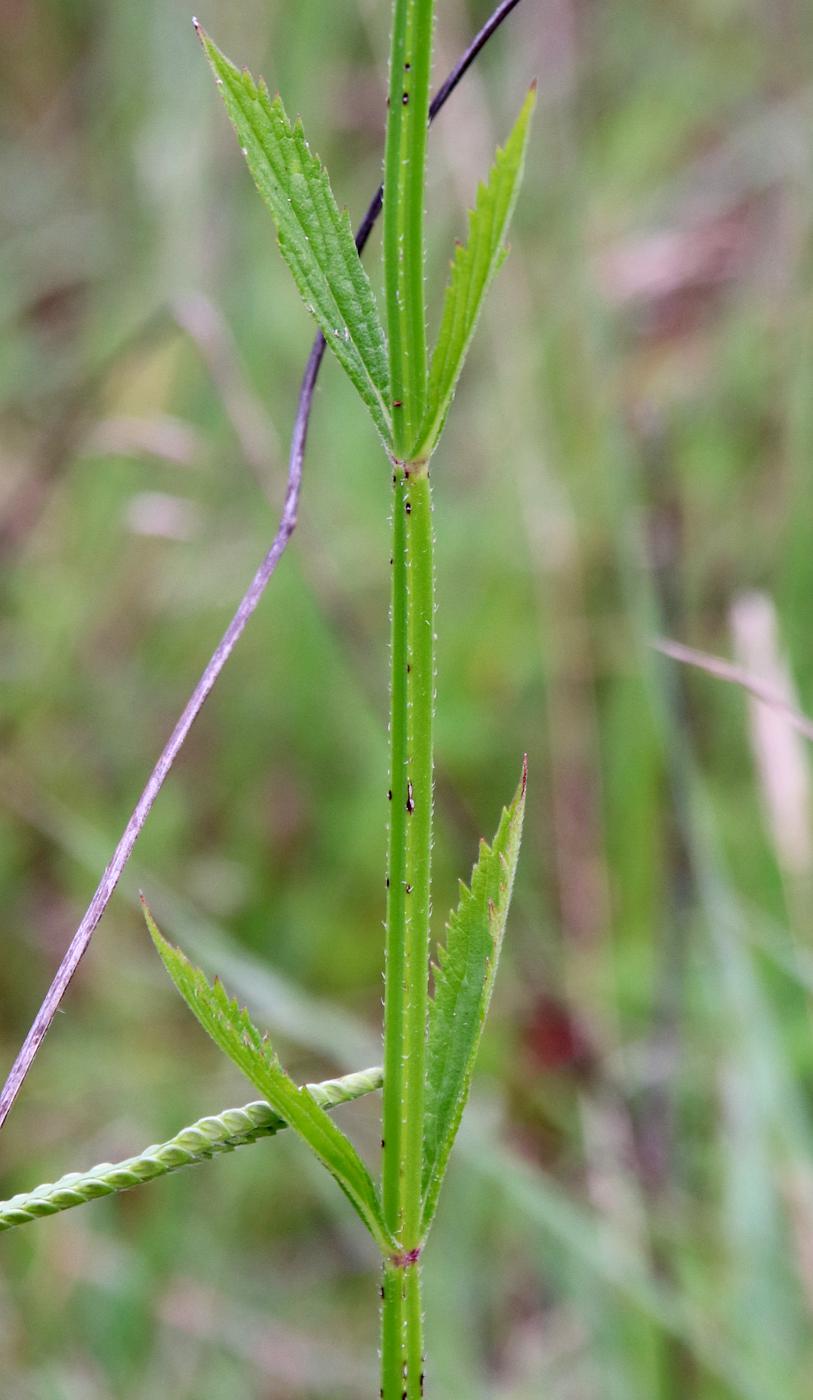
(315, 238)
(464, 981)
(225, 1132)
(232, 1029)
(474, 266)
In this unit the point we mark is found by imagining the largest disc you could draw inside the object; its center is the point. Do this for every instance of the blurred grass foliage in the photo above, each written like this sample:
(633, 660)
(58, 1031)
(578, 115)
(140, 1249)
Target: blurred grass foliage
(631, 1206)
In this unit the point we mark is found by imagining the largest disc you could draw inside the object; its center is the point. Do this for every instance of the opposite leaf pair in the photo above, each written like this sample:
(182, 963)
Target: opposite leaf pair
(316, 240)
(464, 981)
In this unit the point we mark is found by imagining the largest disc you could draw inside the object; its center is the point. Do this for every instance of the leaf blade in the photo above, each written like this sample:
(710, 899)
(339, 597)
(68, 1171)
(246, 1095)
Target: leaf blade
(464, 981)
(474, 266)
(315, 237)
(234, 1033)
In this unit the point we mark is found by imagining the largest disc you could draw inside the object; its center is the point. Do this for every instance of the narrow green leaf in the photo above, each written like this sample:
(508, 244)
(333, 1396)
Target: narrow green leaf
(224, 1132)
(474, 266)
(233, 1030)
(315, 238)
(464, 980)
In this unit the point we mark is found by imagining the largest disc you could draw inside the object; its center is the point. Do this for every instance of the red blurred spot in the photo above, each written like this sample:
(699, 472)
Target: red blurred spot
(554, 1040)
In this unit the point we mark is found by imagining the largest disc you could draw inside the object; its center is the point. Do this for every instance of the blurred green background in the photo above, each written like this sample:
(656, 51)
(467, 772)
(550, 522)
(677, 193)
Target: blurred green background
(629, 1213)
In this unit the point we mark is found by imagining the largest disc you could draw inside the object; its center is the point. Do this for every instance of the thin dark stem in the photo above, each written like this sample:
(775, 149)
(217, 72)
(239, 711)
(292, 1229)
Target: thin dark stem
(466, 59)
(112, 874)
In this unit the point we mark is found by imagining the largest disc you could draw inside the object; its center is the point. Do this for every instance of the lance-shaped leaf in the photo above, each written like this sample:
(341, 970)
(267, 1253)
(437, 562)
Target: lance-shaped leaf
(474, 266)
(223, 1132)
(315, 237)
(464, 980)
(231, 1027)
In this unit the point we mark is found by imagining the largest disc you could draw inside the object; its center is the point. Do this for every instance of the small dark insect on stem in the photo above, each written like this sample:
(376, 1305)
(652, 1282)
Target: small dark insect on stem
(113, 871)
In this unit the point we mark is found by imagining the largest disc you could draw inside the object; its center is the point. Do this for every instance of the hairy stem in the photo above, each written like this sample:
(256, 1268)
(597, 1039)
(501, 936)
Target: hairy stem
(411, 701)
(402, 1365)
(404, 182)
(408, 896)
(408, 903)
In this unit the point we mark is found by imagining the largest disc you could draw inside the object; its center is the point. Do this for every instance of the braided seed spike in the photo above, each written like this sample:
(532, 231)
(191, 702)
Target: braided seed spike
(235, 1127)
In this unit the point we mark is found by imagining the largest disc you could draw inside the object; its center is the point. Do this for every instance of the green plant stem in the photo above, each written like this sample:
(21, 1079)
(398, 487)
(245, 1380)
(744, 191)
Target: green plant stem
(413, 1315)
(411, 702)
(402, 1363)
(404, 185)
(408, 909)
(408, 899)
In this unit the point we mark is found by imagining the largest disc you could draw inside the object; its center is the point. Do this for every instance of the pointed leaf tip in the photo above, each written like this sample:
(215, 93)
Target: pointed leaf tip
(464, 980)
(474, 267)
(315, 239)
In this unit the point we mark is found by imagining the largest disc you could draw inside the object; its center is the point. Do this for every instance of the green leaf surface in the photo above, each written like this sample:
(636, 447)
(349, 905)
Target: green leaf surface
(223, 1132)
(315, 237)
(464, 981)
(474, 266)
(232, 1029)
